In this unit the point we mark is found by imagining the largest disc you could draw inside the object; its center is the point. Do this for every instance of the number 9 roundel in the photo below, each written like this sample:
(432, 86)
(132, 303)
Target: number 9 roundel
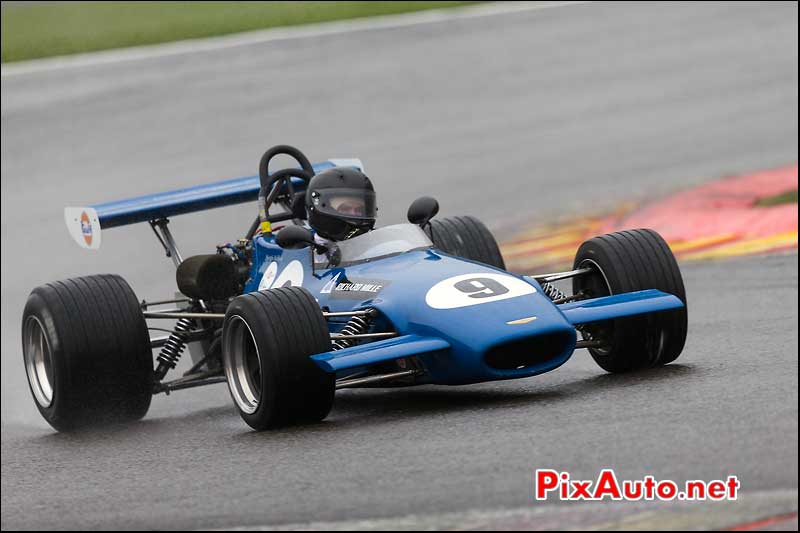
(475, 289)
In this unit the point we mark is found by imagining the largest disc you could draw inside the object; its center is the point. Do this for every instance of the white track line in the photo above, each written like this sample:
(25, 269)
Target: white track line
(191, 46)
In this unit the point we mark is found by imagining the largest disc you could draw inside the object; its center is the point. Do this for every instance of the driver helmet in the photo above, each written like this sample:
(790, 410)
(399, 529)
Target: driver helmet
(341, 203)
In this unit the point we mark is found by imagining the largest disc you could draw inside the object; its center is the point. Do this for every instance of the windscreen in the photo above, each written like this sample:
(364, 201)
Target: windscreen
(381, 242)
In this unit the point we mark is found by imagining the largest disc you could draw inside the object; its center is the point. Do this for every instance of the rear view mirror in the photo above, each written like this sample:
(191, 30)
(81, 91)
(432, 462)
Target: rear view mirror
(422, 210)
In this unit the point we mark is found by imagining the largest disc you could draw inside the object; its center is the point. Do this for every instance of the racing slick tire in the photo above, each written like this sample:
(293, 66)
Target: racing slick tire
(467, 237)
(628, 261)
(87, 352)
(267, 340)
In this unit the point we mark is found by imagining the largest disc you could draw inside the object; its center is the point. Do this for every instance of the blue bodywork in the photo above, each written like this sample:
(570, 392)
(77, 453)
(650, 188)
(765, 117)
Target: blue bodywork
(451, 344)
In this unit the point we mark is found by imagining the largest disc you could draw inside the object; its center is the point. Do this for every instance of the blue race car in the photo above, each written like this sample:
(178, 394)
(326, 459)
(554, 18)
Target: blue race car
(286, 316)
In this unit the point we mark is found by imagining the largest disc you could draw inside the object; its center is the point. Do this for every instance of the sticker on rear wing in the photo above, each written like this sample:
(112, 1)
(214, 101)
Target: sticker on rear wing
(83, 225)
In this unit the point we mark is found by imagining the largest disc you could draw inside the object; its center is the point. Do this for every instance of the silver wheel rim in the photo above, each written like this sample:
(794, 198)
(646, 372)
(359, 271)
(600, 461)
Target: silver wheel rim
(594, 265)
(242, 365)
(38, 361)
(599, 351)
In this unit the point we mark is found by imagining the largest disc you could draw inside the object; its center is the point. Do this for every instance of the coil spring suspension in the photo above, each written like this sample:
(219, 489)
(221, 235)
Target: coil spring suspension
(172, 350)
(552, 292)
(354, 326)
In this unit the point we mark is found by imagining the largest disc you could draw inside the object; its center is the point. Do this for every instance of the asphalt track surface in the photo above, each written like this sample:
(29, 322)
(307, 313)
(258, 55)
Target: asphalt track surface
(509, 117)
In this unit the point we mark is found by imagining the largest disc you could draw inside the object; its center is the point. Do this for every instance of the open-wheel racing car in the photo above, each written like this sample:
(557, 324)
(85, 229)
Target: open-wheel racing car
(286, 318)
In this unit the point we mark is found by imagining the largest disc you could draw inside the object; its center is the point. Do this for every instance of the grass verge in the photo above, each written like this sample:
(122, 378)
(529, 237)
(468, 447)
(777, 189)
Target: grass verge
(33, 30)
(788, 197)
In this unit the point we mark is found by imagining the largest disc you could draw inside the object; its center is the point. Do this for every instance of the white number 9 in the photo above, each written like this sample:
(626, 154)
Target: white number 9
(474, 289)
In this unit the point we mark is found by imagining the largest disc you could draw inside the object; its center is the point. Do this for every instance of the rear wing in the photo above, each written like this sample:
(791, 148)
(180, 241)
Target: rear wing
(85, 223)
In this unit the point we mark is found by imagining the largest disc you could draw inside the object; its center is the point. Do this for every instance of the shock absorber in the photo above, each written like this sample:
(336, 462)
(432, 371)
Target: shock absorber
(354, 326)
(172, 350)
(552, 292)
(555, 294)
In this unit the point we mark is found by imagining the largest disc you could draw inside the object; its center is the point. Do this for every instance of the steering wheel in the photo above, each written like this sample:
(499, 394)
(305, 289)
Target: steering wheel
(278, 187)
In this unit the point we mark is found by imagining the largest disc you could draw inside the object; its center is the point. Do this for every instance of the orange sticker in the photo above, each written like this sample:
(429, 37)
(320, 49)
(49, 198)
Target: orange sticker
(86, 228)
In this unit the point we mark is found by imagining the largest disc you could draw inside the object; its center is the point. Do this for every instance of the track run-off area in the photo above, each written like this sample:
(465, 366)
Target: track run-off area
(730, 217)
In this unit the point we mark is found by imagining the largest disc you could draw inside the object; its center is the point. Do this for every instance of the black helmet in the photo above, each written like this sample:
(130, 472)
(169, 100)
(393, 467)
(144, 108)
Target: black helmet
(341, 203)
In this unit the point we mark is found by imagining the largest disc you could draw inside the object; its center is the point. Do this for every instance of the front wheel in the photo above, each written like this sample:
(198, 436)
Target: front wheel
(627, 261)
(87, 352)
(267, 340)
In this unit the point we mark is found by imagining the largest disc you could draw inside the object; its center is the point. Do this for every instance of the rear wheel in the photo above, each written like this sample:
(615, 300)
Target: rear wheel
(268, 338)
(87, 352)
(628, 261)
(467, 237)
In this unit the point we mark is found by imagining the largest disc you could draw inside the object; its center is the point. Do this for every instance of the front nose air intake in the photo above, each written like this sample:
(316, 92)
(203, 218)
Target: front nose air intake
(528, 351)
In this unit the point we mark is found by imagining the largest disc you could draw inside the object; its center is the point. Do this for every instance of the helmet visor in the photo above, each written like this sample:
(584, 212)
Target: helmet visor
(346, 203)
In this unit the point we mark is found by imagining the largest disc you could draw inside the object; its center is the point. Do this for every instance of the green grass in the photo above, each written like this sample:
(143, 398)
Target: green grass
(34, 30)
(788, 197)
